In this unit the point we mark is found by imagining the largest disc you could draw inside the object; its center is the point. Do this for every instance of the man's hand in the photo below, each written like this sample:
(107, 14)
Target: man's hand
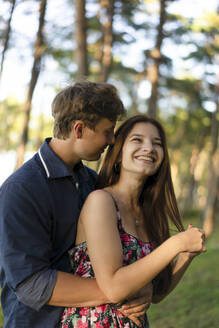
(136, 307)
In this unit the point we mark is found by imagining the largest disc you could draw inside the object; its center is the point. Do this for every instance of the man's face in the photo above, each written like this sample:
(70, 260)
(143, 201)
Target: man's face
(93, 142)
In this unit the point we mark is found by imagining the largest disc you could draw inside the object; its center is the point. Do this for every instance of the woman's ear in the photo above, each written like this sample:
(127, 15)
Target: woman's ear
(78, 129)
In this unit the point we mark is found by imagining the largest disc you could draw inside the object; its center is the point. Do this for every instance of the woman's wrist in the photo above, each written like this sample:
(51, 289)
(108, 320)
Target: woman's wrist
(178, 243)
(187, 256)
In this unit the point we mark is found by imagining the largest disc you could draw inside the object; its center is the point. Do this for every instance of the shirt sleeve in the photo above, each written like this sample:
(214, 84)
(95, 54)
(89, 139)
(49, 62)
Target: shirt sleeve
(26, 242)
(36, 291)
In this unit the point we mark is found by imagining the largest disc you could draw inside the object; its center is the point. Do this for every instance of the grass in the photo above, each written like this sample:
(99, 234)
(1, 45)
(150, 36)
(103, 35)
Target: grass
(1, 319)
(195, 301)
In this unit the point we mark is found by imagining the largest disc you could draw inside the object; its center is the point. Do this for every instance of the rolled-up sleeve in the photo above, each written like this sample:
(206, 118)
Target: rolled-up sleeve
(36, 291)
(25, 244)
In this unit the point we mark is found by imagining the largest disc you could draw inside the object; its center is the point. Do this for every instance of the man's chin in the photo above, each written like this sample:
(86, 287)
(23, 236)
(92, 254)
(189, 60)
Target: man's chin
(94, 158)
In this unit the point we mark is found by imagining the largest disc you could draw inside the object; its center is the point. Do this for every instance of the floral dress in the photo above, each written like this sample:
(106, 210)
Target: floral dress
(106, 315)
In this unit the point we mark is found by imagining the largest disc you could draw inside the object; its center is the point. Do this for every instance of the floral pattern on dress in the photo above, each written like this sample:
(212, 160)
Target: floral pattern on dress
(106, 315)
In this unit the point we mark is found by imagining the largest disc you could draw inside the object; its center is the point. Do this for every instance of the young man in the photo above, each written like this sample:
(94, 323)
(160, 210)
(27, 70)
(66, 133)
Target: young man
(39, 208)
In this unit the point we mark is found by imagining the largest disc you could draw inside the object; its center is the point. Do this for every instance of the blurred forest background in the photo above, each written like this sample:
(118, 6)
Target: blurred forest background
(163, 57)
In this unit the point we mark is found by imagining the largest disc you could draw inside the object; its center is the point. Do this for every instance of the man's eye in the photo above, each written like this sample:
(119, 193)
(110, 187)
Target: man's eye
(109, 132)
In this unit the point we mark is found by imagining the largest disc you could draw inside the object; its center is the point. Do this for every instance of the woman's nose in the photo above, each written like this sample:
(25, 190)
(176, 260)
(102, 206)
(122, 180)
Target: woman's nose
(147, 146)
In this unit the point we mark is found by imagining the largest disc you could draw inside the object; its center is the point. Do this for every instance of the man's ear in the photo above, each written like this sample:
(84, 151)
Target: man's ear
(78, 128)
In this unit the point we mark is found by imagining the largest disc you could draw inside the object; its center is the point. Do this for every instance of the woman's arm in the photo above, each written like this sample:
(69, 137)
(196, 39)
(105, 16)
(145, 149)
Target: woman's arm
(118, 282)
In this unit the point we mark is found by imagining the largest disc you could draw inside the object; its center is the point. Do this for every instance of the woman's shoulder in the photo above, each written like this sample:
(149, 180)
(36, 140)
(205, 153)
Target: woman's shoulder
(100, 195)
(100, 202)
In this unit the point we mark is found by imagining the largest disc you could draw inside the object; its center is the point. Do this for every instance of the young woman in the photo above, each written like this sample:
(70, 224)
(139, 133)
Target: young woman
(124, 227)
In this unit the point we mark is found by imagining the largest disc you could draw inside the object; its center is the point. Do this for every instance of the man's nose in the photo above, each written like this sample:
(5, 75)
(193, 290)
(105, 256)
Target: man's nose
(112, 139)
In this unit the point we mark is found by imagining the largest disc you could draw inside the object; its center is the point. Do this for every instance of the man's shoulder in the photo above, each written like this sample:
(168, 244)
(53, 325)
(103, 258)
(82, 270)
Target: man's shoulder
(28, 174)
(91, 177)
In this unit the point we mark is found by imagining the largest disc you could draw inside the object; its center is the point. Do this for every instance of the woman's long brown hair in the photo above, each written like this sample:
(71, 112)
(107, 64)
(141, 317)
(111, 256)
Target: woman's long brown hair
(156, 195)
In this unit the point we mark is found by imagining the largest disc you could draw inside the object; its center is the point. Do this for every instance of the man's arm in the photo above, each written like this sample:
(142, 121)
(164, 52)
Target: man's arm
(74, 291)
(25, 246)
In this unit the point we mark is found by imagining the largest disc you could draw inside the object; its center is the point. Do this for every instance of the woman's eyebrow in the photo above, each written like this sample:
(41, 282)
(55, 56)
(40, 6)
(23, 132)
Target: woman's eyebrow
(157, 138)
(136, 135)
(141, 135)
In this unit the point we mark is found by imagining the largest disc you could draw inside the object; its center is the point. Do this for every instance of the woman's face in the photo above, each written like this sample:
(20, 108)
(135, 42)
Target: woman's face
(143, 150)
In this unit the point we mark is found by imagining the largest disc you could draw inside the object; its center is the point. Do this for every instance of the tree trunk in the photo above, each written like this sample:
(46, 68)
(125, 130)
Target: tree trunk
(39, 50)
(106, 19)
(107, 9)
(7, 36)
(213, 181)
(81, 38)
(5, 139)
(153, 71)
(192, 183)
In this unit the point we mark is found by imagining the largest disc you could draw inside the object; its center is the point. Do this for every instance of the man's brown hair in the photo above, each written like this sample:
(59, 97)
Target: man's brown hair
(86, 101)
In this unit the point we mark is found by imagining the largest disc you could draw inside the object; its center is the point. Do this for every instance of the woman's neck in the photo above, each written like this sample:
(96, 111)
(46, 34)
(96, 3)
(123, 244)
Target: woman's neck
(126, 197)
(127, 191)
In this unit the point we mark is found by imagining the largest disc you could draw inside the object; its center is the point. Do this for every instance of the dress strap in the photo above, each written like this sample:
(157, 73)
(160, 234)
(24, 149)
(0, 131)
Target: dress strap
(117, 210)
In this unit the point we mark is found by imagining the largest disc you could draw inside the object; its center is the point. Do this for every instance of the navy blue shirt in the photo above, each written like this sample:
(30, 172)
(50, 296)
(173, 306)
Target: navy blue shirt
(39, 209)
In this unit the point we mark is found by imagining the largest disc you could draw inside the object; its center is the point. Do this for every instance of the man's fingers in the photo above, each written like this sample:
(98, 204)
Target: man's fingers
(135, 320)
(134, 303)
(137, 310)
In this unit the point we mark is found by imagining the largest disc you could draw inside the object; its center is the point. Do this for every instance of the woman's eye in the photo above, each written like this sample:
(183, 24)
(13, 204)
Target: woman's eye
(136, 139)
(157, 144)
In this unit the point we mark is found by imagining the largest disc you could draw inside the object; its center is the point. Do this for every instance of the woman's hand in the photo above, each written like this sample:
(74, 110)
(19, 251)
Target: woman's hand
(191, 255)
(192, 241)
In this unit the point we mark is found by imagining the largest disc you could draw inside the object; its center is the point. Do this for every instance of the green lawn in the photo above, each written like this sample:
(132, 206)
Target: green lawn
(1, 319)
(195, 302)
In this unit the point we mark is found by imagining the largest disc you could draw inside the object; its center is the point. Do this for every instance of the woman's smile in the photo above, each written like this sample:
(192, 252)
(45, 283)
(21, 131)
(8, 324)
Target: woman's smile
(142, 150)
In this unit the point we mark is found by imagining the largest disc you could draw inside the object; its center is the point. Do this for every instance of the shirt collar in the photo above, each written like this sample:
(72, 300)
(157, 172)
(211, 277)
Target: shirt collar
(54, 165)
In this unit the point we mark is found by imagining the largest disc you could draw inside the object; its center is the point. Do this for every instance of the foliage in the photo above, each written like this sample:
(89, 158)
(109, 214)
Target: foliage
(11, 118)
